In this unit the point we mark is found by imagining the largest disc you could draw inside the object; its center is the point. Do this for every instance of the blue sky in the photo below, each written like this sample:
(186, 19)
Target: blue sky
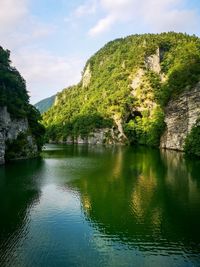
(50, 40)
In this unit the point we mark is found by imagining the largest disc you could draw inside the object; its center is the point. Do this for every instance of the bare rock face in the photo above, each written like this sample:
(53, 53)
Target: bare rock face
(98, 137)
(95, 138)
(107, 136)
(87, 77)
(121, 137)
(56, 101)
(10, 129)
(137, 80)
(181, 115)
(153, 62)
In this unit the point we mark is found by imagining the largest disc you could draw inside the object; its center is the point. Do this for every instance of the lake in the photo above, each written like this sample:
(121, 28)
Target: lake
(100, 206)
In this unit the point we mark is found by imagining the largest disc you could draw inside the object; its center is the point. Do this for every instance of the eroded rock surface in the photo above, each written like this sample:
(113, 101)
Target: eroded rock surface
(10, 129)
(181, 114)
(87, 77)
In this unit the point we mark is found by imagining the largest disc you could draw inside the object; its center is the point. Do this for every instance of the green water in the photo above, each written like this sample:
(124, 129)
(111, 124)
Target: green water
(95, 206)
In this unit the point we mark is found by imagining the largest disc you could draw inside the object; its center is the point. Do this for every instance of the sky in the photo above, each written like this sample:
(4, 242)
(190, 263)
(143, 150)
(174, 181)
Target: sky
(51, 40)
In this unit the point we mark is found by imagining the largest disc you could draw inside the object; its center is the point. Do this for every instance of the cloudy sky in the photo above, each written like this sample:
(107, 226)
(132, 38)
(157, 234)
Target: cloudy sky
(50, 40)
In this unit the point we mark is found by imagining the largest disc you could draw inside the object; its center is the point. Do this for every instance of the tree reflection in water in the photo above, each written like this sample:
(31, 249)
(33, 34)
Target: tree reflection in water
(147, 198)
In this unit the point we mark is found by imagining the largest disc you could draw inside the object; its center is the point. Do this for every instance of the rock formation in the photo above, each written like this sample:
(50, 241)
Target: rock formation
(10, 130)
(181, 115)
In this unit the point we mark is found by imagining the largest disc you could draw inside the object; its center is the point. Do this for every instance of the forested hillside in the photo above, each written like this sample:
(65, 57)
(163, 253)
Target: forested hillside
(20, 129)
(45, 104)
(125, 87)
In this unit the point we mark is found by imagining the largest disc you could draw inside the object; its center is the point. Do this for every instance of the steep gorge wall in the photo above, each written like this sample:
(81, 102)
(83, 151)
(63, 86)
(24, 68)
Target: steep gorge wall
(180, 116)
(9, 131)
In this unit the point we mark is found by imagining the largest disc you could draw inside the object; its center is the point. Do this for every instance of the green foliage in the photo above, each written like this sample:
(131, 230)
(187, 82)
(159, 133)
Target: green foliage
(37, 129)
(109, 93)
(81, 125)
(182, 66)
(14, 96)
(13, 92)
(192, 142)
(17, 148)
(141, 130)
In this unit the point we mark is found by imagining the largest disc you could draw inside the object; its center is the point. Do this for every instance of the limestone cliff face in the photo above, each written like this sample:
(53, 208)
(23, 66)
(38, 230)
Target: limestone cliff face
(10, 129)
(103, 136)
(153, 62)
(98, 137)
(86, 77)
(181, 115)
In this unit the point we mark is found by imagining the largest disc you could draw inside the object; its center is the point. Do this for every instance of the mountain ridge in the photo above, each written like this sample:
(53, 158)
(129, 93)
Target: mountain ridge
(45, 104)
(125, 89)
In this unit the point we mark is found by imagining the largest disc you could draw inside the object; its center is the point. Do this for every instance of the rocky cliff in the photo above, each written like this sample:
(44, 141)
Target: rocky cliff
(11, 131)
(21, 134)
(181, 115)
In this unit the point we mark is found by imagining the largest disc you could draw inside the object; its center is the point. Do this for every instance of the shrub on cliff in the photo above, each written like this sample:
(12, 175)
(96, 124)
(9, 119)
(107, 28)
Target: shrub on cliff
(192, 142)
(14, 96)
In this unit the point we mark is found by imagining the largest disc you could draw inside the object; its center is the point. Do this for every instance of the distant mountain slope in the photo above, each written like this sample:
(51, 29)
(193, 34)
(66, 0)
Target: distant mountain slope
(45, 104)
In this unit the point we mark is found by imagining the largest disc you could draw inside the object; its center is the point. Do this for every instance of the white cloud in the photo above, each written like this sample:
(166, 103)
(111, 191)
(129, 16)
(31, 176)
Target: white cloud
(103, 25)
(88, 8)
(18, 27)
(118, 7)
(157, 15)
(46, 73)
(167, 15)
(22, 33)
(11, 12)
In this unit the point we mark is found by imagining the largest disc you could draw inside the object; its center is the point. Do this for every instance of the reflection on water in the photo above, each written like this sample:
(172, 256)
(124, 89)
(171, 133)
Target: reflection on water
(19, 190)
(96, 206)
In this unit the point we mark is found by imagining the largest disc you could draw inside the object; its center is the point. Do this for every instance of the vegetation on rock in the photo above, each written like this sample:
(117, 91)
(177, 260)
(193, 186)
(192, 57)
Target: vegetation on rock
(133, 79)
(14, 96)
(192, 142)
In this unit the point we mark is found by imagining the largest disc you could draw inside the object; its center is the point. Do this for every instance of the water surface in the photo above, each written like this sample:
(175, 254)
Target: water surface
(96, 206)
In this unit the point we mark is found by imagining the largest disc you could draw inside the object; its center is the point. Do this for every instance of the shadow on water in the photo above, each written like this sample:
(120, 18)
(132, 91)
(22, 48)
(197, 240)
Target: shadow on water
(19, 191)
